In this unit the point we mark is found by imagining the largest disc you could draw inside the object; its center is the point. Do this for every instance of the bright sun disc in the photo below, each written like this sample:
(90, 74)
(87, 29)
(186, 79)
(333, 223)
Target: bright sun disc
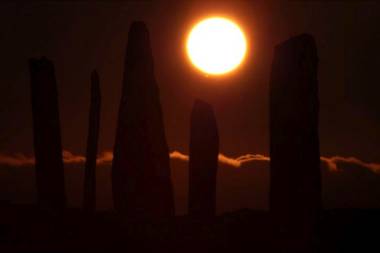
(216, 45)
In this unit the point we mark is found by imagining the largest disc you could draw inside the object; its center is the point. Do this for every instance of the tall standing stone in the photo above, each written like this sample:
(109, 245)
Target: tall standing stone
(141, 182)
(295, 192)
(47, 136)
(89, 197)
(203, 163)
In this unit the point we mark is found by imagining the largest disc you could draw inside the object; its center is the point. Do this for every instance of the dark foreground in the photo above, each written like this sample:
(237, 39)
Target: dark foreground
(24, 229)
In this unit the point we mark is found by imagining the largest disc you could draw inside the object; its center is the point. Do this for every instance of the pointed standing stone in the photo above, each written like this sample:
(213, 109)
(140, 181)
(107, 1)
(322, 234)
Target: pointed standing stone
(47, 136)
(295, 193)
(141, 182)
(89, 197)
(203, 163)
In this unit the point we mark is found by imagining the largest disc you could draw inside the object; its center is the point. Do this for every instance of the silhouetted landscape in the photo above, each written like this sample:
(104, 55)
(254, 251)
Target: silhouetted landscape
(136, 198)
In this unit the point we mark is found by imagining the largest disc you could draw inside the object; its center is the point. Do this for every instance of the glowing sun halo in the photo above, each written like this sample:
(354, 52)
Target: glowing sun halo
(216, 45)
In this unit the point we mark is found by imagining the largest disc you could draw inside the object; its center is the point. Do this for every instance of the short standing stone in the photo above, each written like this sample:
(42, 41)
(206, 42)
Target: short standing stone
(203, 164)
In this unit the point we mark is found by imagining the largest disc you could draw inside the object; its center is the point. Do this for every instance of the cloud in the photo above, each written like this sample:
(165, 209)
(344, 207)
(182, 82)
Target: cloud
(19, 160)
(16, 160)
(70, 158)
(239, 161)
(105, 158)
(234, 162)
(179, 156)
(332, 163)
(252, 157)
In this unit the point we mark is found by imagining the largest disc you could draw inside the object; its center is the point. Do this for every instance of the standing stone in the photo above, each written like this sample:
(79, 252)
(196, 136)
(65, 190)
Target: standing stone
(295, 192)
(92, 146)
(203, 164)
(47, 136)
(141, 182)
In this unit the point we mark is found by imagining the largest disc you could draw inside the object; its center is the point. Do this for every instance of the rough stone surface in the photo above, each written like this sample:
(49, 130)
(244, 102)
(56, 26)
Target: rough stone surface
(89, 197)
(295, 192)
(47, 136)
(141, 180)
(203, 164)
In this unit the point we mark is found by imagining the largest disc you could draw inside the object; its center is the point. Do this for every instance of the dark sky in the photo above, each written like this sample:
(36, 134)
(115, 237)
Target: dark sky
(79, 37)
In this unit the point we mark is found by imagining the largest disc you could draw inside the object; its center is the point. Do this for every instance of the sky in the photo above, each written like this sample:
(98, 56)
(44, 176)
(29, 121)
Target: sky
(80, 37)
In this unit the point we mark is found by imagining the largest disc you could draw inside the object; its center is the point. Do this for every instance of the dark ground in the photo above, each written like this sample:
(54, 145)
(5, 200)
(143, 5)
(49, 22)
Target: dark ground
(24, 229)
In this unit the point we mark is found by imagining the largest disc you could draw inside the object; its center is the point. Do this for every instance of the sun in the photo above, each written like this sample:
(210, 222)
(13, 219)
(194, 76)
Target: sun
(216, 46)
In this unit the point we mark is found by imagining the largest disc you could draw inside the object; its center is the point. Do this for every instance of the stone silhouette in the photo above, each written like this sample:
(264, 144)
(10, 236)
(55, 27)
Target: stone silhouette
(47, 136)
(203, 163)
(89, 197)
(295, 192)
(141, 180)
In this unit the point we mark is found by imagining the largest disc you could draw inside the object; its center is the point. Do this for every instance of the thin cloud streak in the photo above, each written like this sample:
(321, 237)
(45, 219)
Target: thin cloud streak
(70, 158)
(179, 156)
(332, 163)
(20, 160)
(16, 160)
(234, 162)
